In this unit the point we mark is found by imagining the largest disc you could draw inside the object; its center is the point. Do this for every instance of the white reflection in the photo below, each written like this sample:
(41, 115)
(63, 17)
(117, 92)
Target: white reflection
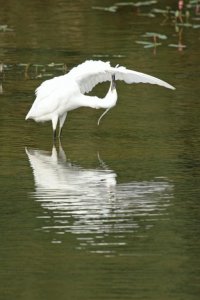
(91, 204)
(1, 88)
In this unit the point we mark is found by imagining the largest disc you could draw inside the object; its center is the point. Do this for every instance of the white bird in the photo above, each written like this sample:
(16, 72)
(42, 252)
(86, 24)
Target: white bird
(56, 96)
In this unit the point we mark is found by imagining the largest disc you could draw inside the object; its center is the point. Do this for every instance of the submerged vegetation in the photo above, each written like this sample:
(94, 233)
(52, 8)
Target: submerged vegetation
(33, 71)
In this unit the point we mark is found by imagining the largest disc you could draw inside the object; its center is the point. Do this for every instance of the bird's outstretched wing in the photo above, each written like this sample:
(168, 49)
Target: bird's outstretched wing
(90, 73)
(129, 76)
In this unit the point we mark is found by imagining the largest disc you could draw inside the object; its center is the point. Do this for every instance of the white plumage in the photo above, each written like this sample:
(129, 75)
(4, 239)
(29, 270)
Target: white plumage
(56, 96)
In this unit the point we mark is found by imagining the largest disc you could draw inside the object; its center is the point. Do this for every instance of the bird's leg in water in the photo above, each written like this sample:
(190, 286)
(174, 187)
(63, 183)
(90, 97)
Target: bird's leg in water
(54, 135)
(54, 125)
(62, 121)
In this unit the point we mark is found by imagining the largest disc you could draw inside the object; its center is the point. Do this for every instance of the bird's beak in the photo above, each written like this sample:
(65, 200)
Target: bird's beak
(113, 85)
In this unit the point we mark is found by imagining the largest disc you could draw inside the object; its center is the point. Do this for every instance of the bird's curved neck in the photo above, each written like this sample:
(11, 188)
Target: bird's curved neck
(111, 97)
(108, 101)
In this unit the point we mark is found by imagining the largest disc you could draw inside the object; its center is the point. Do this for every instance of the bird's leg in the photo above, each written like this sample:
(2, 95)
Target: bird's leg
(54, 125)
(62, 121)
(61, 154)
(54, 134)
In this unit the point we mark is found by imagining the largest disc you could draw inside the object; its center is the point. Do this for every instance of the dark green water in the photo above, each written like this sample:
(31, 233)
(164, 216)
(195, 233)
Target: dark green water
(113, 212)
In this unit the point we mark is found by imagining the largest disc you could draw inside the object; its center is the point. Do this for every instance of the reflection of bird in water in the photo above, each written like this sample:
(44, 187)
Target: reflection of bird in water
(90, 201)
(57, 96)
(54, 175)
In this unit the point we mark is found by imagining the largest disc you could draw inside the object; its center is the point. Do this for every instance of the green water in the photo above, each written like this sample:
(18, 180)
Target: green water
(113, 211)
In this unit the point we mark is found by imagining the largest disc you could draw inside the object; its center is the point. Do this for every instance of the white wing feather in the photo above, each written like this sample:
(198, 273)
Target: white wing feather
(129, 76)
(48, 87)
(46, 93)
(90, 73)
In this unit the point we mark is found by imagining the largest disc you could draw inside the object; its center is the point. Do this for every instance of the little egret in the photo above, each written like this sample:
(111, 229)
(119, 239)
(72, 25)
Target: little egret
(56, 96)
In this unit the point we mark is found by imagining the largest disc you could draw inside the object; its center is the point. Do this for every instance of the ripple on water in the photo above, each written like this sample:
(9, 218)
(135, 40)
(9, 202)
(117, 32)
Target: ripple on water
(92, 205)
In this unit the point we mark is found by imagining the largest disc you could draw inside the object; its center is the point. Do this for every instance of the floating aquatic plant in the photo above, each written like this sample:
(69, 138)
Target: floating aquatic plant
(183, 17)
(149, 15)
(184, 24)
(148, 44)
(118, 5)
(195, 26)
(108, 56)
(145, 3)
(112, 9)
(34, 71)
(162, 11)
(137, 4)
(177, 46)
(194, 4)
(155, 34)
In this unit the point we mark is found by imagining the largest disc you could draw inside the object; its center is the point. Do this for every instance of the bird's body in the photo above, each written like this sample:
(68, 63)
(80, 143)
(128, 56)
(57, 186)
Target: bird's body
(56, 96)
